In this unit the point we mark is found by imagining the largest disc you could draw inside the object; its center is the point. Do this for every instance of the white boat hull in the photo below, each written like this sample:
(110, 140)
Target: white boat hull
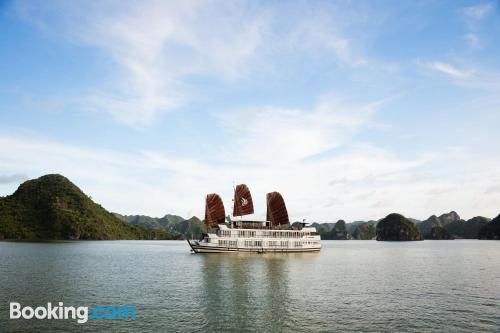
(199, 248)
(258, 240)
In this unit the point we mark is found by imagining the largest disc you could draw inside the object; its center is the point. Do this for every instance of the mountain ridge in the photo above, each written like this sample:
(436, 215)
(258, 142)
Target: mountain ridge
(170, 223)
(51, 207)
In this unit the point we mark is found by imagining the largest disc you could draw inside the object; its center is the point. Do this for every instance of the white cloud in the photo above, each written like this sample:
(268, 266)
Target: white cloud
(485, 79)
(285, 135)
(155, 46)
(478, 12)
(320, 32)
(447, 69)
(472, 40)
(158, 47)
(362, 182)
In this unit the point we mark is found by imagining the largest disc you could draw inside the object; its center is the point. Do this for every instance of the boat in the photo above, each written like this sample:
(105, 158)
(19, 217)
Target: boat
(275, 234)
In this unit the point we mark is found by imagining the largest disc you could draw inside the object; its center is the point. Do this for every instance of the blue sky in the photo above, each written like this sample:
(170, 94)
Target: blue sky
(351, 109)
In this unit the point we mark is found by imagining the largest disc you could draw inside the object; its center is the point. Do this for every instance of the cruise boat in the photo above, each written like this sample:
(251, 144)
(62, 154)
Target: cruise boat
(239, 235)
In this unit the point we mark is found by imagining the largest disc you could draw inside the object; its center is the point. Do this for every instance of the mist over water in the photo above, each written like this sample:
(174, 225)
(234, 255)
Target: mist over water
(361, 286)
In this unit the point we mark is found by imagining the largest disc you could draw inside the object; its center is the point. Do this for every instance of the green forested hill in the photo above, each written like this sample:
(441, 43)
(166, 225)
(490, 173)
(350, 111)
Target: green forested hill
(52, 207)
(491, 230)
(453, 225)
(396, 227)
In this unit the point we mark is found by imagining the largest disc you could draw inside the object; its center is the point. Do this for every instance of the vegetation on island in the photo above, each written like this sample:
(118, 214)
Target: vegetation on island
(491, 230)
(365, 231)
(53, 208)
(426, 225)
(454, 225)
(438, 233)
(338, 232)
(396, 227)
(174, 224)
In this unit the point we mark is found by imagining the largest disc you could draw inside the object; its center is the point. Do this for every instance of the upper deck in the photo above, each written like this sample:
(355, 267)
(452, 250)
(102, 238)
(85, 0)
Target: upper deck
(305, 232)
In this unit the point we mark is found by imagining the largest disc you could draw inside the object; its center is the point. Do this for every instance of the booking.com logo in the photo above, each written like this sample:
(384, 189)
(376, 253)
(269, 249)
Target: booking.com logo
(82, 313)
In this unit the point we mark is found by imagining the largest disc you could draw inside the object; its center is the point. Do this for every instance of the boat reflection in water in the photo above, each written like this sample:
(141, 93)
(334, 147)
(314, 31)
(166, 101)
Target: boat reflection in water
(257, 289)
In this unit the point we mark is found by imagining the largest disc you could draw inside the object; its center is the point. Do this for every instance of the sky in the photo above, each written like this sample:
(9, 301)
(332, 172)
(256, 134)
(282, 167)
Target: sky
(350, 109)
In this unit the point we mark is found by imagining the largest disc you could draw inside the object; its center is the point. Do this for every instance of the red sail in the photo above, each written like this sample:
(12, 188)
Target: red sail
(214, 210)
(243, 203)
(276, 209)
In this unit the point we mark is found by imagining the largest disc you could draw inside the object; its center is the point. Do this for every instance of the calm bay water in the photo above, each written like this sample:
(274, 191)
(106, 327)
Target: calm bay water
(360, 286)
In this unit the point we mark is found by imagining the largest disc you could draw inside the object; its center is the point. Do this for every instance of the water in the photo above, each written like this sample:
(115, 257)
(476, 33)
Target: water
(359, 286)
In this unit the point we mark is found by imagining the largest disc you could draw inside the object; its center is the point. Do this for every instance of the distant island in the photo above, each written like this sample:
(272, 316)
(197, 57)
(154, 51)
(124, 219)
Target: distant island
(443, 227)
(53, 208)
(174, 224)
(491, 230)
(396, 227)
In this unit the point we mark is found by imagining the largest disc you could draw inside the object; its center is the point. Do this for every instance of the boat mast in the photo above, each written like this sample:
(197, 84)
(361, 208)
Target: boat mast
(206, 213)
(234, 201)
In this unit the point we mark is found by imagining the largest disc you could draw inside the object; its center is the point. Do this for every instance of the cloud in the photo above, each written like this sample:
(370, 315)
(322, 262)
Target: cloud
(319, 32)
(158, 50)
(472, 40)
(154, 183)
(155, 46)
(14, 178)
(150, 182)
(448, 69)
(484, 79)
(473, 16)
(478, 12)
(492, 189)
(284, 135)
